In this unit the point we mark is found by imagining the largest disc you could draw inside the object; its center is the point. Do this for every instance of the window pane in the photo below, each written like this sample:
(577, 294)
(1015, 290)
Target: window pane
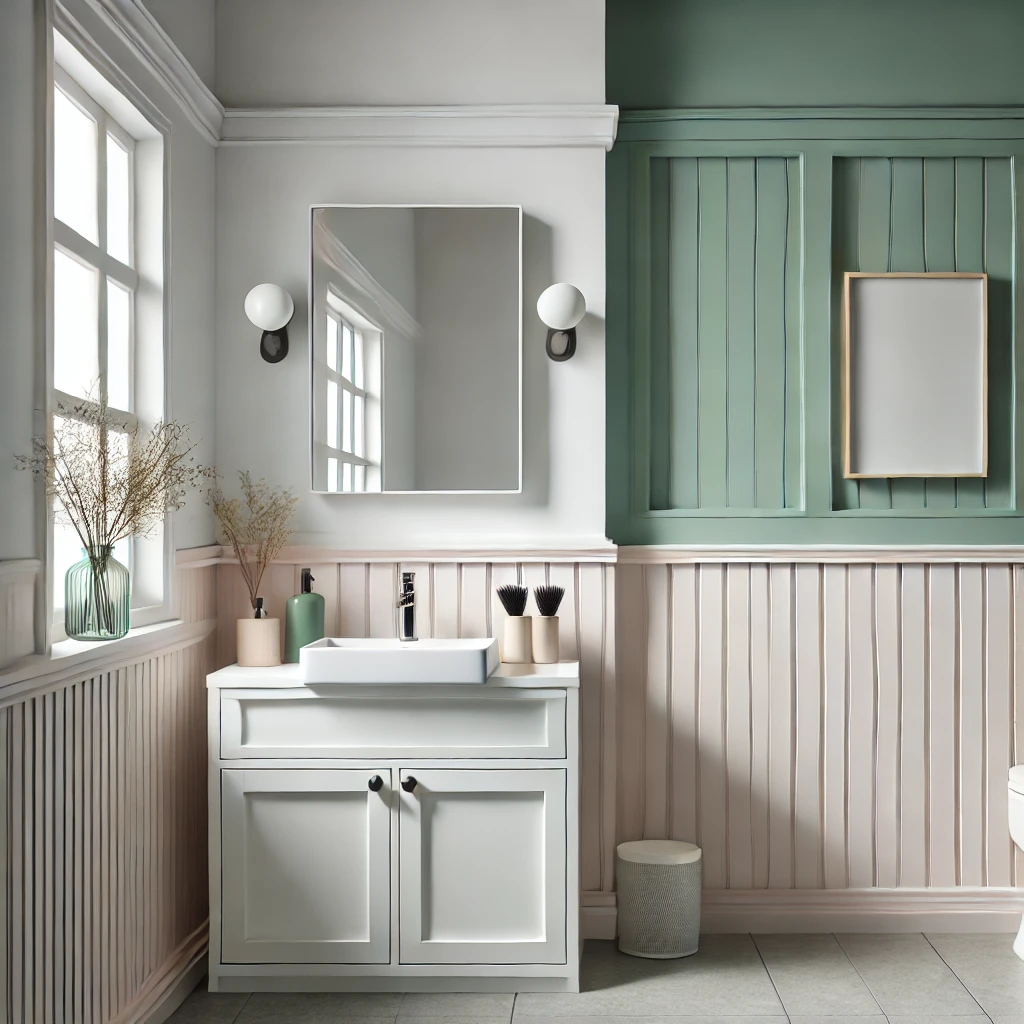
(332, 343)
(346, 483)
(74, 167)
(346, 421)
(118, 201)
(358, 424)
(360, 478)
(332, 413)
(332, 474)
(119, 318)
(75, 340)
(358, 381)
(346, 353)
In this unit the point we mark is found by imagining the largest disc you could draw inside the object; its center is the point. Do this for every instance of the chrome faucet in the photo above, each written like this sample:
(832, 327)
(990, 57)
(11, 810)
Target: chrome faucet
(405, 608)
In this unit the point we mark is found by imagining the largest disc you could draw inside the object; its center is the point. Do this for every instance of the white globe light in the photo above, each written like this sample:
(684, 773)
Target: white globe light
(561, 306)
(269, 307)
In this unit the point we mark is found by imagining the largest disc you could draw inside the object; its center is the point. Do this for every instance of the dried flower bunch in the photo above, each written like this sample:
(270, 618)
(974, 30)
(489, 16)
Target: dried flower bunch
(110, 480)
(256, 526)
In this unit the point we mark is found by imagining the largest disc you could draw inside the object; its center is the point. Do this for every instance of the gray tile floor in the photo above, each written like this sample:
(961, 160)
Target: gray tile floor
(743, 979)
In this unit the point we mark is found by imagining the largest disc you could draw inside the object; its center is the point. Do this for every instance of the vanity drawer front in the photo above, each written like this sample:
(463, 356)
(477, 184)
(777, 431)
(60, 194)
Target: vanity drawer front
(300, 724)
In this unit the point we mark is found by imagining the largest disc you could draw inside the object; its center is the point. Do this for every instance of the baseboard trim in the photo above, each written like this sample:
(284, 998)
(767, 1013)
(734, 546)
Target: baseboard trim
(170, 986)
(725, 911)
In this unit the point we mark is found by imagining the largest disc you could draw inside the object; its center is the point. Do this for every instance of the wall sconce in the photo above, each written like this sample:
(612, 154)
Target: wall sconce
(270, 308)
(561, 307)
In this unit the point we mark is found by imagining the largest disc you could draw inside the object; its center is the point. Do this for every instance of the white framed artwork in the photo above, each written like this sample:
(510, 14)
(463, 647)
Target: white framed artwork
(915, 383)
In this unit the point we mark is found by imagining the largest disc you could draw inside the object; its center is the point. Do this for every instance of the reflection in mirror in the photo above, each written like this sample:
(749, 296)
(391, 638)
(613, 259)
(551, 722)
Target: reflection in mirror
(416, 353)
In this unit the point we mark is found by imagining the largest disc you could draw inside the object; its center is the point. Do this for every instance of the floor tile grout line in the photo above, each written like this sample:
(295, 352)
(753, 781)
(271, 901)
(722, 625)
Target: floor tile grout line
(778, 994)
(863, 980)
(949, 967)
(245, 1003)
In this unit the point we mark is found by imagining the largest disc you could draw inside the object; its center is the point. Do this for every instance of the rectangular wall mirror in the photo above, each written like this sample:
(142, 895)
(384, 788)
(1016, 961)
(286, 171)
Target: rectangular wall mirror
(416, 348)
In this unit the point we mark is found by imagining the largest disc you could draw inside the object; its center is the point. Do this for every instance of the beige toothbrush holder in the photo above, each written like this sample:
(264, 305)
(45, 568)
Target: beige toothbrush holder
(545, 639)
(518, 646)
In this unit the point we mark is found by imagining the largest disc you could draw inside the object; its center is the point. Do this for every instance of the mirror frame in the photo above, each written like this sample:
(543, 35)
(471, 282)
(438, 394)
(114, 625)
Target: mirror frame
(518, 489)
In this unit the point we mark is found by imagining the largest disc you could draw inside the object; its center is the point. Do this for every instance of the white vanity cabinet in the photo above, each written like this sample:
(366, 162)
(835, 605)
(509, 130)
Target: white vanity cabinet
(394, 838)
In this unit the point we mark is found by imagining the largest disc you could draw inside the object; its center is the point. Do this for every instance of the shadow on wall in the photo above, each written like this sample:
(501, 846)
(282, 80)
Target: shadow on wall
(537, 275)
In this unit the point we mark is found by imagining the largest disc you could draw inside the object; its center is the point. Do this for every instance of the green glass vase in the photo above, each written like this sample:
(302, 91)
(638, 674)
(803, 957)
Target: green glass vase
(97, 598)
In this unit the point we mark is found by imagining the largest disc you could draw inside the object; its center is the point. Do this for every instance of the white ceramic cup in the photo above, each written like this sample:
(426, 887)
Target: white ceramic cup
(518, 646)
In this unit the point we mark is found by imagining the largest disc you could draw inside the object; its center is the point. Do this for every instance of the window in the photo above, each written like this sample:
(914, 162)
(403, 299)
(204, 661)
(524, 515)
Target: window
(96, 309)
(347, 405)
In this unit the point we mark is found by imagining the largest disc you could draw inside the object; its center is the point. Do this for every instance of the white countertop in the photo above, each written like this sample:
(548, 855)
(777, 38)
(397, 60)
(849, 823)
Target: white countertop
(564, 675)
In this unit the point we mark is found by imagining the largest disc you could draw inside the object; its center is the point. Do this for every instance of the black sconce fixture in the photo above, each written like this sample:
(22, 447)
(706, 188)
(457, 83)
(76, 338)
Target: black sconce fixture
(561, 307)
(270, 308)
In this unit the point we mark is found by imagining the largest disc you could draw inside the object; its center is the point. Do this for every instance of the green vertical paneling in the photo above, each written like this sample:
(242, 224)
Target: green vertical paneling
(742, 215)
(726, 254)
(724, 343)
(846, 178)
(916, 214)
(660, 402)
(939, 254)
(906, 253)
(713, 333)
(999, 264)
(792, 259)
(770, 363)
(874, 253)
(684, 310)
(970, 255)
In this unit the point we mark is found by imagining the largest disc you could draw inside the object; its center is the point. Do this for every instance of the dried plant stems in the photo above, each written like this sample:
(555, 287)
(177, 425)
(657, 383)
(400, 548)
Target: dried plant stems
(257, 527)
(108, 480)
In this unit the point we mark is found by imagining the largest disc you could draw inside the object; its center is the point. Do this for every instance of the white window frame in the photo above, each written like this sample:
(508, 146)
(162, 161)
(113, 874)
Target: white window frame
(118, 108)
(343, 464)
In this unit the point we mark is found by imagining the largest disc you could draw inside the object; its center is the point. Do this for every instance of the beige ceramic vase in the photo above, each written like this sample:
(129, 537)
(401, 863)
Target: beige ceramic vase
(258, 642)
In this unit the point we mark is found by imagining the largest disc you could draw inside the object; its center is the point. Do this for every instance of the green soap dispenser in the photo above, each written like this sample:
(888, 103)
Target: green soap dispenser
(303, 618)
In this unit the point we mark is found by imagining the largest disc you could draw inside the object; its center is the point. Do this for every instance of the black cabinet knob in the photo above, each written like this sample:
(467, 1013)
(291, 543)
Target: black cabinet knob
(376, 784)
(408, 784)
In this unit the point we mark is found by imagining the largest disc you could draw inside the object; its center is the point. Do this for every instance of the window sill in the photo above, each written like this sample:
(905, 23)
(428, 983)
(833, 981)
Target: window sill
(71, 660)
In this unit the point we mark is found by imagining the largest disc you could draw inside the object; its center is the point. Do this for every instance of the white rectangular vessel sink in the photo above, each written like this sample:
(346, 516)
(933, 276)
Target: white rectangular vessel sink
(350, 660)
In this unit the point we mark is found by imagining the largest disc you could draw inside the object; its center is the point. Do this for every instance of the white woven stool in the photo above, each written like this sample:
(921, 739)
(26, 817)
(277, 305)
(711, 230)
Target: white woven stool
(659, 898)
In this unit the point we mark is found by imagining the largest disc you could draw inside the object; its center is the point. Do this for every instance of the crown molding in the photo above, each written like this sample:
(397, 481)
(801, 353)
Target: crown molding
(580, 125)
(573, 125)
(363, 288)
(1005, 113)
(157, 52)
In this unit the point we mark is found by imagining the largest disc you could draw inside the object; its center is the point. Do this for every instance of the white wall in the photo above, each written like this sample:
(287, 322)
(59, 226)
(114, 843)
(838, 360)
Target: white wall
(262, 408)
(403, 52)
(264, 191)
(191, 24)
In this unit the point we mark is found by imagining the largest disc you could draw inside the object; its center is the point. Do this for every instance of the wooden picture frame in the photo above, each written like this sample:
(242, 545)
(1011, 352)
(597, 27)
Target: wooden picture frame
(915, 375)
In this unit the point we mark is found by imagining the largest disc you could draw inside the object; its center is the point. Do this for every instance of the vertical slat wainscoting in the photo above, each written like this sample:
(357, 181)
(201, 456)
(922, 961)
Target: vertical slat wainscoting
(103, 812)
(456, 598)
(822, 726)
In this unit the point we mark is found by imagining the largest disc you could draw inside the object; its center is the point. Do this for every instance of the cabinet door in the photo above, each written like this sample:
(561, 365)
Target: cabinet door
(305, 866)
(483, 867)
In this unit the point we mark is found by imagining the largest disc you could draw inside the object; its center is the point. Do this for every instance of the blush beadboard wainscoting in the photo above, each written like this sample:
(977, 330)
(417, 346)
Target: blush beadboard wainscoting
(103, 820)
(833, 728)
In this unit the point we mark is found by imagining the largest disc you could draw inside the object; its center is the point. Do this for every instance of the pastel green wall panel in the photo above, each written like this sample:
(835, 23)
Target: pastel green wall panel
(728, 236)
(724, 344)
(736, 53)
(919, 214)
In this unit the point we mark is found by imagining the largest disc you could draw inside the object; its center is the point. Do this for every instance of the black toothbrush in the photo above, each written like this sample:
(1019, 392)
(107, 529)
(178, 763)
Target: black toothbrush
(548, 598)
(513, 598)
